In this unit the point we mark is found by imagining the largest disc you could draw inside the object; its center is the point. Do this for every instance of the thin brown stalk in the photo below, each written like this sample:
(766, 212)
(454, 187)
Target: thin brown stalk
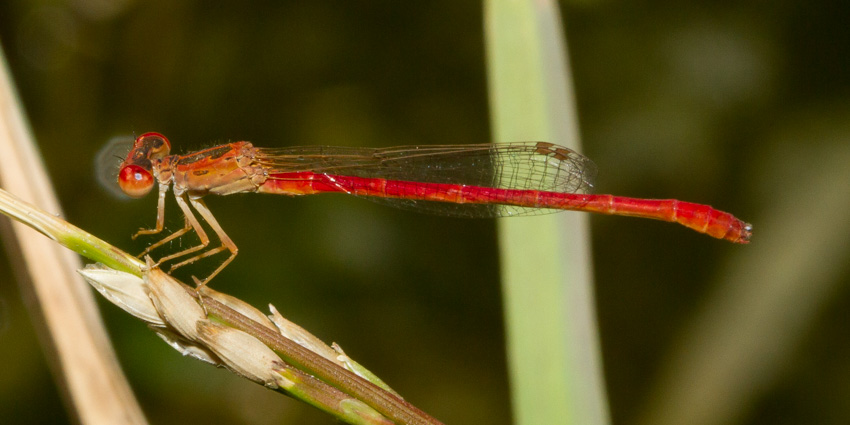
(87, 371)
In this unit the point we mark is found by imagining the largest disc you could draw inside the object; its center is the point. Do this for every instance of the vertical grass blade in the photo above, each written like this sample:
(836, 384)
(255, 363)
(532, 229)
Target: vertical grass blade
(553, 348)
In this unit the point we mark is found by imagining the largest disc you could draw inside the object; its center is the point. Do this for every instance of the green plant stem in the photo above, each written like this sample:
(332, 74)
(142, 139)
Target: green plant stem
(381, 400)
(96, 249)
(68, 235)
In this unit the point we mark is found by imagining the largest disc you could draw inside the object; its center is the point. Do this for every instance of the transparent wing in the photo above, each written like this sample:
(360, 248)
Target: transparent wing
(534, 166)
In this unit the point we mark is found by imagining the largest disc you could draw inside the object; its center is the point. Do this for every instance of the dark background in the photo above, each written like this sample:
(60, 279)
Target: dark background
(690, 101)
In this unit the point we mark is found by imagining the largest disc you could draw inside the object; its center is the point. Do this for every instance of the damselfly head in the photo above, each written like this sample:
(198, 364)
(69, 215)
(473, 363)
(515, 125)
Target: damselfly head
(135, 176)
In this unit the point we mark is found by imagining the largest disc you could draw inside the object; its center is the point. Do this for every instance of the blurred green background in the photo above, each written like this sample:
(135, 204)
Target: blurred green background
(740, 105)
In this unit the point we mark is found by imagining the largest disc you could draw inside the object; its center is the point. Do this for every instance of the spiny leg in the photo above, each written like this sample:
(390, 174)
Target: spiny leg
(204, 254)
(193, 223)
(160, 224)
(160, 217)
(186, 227)
(226, 242)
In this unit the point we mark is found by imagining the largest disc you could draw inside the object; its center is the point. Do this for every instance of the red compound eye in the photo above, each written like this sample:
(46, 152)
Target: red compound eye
(151, 146)
(154, 135)
(135, 181)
